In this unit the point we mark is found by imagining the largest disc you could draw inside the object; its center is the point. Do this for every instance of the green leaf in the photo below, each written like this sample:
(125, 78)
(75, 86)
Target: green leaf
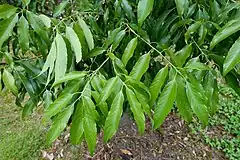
(47, 97)
(202, 34)
(233, 82)
(183, 55)
(194, 64)
(6, 11)
(108, 89)
(140, 67)
(59, 124)
(72, 87)
(136, 108)
(87, 33)
(165, 103)
(70, 76)
(75, 43)
(128, 9)
(111, 37)
(129, 50)
(157, 83)
(192, 29)
(103, 106)
(9, 82)
(182, 6)
(23, 33)
(230, 28)
(57, 106)
(61, 59)
(37, 25)
(182, 100)
(96, 52)
(90, 133)
(46, 20)
(78, 30)
(28, 108)
(98, 83)
(233, 57)
(143, 10)
(197, 103)
(26, 2)
(60, 8)
(118, 39)
(0, 81)
(76, 130)
(114, 116)
(6, 28)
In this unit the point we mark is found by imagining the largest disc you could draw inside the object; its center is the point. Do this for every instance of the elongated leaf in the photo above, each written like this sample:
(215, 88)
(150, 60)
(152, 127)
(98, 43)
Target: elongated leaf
(157, 83)
(57, 106)
(233, 57)
(61, 59)
(182, 100)
(128, 52)
(182, 55)
(72, 87)
(111, 37)
(196, 65)
(78, 30)
(23, 33)
(197, 103)
(26, 2)
(127, 8)
(118, 39)
(76, 130)
(143, 10)
(114, 116)
(6, 28)
(108, 89)
(70, 76)
(47, 97)
(103, 106)
(9, 82)
(28, 108)
(96, 51)
(6, 11)
(75, 43)
(230, 28)
(140, 67)
(0, 81)
(38, 26)
(192, 29)
(46, 20)
(202, 34)
(136, 108)
(60, 8)
(87, 33)
(59, 124)
(98, 83)
(144, 102)
(165, 103)
(182, 6)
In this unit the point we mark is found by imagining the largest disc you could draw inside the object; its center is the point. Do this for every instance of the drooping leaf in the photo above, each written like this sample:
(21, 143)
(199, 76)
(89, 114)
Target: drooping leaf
(192, 29)
(165, 103)
(76, 130)
(6, 11)
(230, 28)
(6, 28)
(233, 57)
(129, 50)
(103, 106)
(182, 6)
(46, 20)
(9, 82)
(47, 97)
(57, 106)
(114, 116)
(111, 37)
(23, 33)
(108, 89)
(182, 100)
(87, 33)
(61, 58)
(60, 8)
(136, 108)
(59, 124)
(0, 81)
(143, 10)
(96, 51)
(72, 87)
(98, 82)
(140, 67)
(75, 43)
(118, 39)
(28, 108)
(157, 83)
(182, 55)
(197, 103)
(128, 9)
(26, 2)
(202, 34)
(70, 76)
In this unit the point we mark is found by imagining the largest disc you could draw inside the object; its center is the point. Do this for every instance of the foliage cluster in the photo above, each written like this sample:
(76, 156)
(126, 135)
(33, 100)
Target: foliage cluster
(91, 60)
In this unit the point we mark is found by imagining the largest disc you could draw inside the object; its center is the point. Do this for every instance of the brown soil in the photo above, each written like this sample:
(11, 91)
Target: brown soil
(172, 142)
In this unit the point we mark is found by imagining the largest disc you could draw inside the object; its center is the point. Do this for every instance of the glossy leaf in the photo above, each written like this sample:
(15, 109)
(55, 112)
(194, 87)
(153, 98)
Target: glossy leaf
(118, 39)
(96, 52)
(183, 55)
(129, 50)
(192, 29)
(197, 103)
(46, 20)
(87, 33)
(59, 124)
(165, 103)
(60, 8)
(114, 116)
(9, 82)
(233, 57)
(28, 108)
(47, 97)
(230, 28)
(157, 83)
(6, 28)
(6, 11)
(182, 6)
(144, 8)
(127, 8)
(136, 108)
(140, 67)
(61, 58)
(75, 43)
(103, 106)
(23, 32)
